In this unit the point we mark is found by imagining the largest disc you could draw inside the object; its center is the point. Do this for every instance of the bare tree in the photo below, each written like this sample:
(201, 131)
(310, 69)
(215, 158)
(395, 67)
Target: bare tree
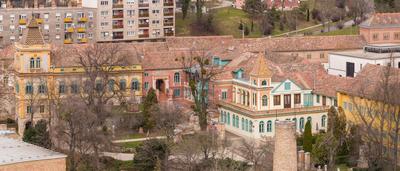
(377, 111)
(359, 9)
(200, 72)
(168, 117)
(257, 153)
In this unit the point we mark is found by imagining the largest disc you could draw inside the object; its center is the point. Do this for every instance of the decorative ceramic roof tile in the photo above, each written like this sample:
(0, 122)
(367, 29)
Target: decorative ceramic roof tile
(260, 68)
(32, 35)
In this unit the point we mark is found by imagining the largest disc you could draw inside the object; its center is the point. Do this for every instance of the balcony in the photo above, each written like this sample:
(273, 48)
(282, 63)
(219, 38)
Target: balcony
(118, 14)
(68, 41)
(146, 14)
(22, 21)
(39, 20)
(118, 26)
(143, 5)
(69, 29)
(168, 13)
(168, 24)
(81, 30)
(169, 34)
(143, 24)
(118, 35)
(83, 19)
(83, 40)
(143, 35)
(169, 3)
(68, 20)
(118, 5)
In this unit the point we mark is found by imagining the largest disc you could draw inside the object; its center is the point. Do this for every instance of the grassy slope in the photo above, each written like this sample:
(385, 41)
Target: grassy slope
(346, 31)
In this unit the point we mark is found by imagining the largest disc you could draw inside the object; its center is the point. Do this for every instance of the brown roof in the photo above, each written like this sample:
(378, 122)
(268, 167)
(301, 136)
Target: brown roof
(371, 83)
(382, 20)
(32, 34)
(260, 69)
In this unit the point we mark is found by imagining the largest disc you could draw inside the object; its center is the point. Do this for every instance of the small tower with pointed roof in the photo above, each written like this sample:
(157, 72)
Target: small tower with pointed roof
(260, 74)
(32, 52)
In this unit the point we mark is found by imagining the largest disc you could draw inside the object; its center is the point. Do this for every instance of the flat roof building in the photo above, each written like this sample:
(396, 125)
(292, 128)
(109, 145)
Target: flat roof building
(16, 155)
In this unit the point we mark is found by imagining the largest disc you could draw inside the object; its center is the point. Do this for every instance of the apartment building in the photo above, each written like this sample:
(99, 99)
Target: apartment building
(127, 20)
(59, 24)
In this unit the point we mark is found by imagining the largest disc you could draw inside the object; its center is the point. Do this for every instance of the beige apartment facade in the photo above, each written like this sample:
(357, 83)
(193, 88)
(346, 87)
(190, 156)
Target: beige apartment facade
(59, 25)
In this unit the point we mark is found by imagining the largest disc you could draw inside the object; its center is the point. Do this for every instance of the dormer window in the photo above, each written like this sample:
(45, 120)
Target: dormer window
(264, 83)
(287, 86)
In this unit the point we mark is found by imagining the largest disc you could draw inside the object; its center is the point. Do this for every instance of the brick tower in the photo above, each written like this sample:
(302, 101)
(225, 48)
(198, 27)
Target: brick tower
(285, 153)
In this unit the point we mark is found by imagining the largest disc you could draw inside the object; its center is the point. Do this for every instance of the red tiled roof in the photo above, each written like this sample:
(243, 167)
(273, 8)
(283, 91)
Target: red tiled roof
(382, 20)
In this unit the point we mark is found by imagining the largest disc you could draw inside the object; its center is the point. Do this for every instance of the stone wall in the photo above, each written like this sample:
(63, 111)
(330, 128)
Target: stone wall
(40, 165)
(285, 153)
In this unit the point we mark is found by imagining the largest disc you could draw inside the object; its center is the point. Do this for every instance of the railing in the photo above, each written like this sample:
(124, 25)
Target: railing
(39, 20)
(70, 29)
(168, 14)
(168, 3)
(118, 5)
(168, 34)
(121, 15)
(83, 40)
(22, 21)
(118, 37)
(67, 41)
(144, 25)
(143, 35)
(143, 14)
(81, 30)
(119, 26)
(169, 24)
(143, 5)
(83, 19)
(246, 109)
(68, 20)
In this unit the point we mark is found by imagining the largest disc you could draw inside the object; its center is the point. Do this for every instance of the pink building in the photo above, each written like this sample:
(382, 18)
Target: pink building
(381, 28)
(287, 4)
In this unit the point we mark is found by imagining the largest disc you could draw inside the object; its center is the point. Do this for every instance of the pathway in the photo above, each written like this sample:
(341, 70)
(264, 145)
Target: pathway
(138, 139)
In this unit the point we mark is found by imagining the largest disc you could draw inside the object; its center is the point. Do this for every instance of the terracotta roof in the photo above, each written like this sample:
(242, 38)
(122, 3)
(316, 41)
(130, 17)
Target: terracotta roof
(32, 34)
(260, 69)
(382, 20)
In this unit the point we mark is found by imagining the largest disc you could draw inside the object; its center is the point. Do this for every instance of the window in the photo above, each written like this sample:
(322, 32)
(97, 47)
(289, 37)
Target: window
(261, 127)
(111, 84)
(29, 109)
(265, 100)
(90, 14)
(131, 22)
(309, 119)
(146, 85)
(301, 124)
(61, 87)
(269, 126)
(308, 56)
(246, 125)
(277, 100)
(242, 123)
(104, 34)
(287, 86)
(104, 24)
(321, 55)
(156, 11)
(130, 13)
(228, 119)
(375, 36)
(32, 63)
(29, 88)
(177, 92)
(135, 85)
(250, 126)
(46, 27)
(17, 87)
(74, 88)
(42, 88)
(177, 78)
(386, 36)
(297, 98)
(99, 85)
(37, 62)
(397, 36)
(156, 21)
(41, 108)
(323, 121)
(264, 83)
(104, 13)
(103, 2)
(233, 120)
(237, 121)
(122, 85)
(317, 98)
(223, 95)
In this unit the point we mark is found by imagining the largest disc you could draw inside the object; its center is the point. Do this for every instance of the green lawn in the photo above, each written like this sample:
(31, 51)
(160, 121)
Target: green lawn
(346, 31)
(133, 136)
(132, 145)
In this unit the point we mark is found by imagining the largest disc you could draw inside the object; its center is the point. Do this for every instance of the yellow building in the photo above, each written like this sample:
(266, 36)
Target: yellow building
(40, 77)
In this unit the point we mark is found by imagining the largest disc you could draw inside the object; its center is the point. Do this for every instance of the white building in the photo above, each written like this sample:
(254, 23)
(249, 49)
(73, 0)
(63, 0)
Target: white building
(349, 63)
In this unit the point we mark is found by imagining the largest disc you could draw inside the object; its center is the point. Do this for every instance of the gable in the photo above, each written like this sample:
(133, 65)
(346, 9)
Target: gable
(286, 86)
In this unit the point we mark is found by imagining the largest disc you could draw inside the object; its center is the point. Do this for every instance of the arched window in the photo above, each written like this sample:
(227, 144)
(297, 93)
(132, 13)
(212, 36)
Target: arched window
(228, 118)
(242, 123)
(135, 85)
(222, 116)
(74, 87)
(301, 124)
(177, 77)
(269, 126)
(323, 121)
(246, 125)
(261, 127)
(233, 120)
(122, 85)
(264, 83)
(309, 119)
(295, 122)
(251, 126)
(37, 62)
(99, 85)
(32, 63)
(111, 85)
(61, 87)
(237, 121)
(264, 100)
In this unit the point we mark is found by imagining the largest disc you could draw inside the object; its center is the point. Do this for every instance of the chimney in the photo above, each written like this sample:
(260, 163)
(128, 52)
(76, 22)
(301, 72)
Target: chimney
(9, 5)
(35, 4)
